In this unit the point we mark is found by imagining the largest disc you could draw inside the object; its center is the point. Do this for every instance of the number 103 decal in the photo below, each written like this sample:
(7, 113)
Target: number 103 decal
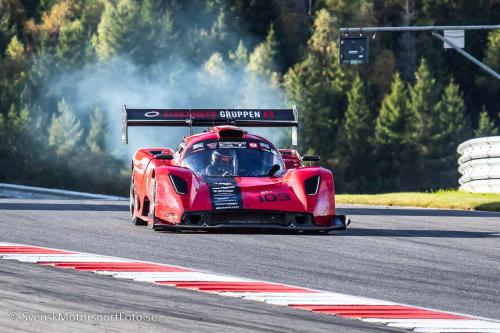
(274, 197)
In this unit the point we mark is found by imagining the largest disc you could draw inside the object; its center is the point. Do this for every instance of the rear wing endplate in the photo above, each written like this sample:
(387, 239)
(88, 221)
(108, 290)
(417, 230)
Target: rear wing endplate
(210, 117)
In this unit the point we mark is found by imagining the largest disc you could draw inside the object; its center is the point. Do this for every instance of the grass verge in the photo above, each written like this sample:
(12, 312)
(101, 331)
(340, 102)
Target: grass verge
(451, 199)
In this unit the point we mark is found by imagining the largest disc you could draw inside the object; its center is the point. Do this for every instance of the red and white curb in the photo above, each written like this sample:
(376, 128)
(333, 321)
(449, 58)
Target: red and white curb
(371, 310)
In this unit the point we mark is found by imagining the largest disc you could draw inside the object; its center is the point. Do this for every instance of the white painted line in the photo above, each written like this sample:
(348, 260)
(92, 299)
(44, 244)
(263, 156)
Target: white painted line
(174, 276)
(457, 330)
(424, 321)
(270, 295)
(310, 299)
(444, 323)
(332, 301)
(34, 258)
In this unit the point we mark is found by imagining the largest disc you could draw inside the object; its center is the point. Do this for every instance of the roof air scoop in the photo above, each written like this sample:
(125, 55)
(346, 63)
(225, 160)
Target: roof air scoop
(230, 133)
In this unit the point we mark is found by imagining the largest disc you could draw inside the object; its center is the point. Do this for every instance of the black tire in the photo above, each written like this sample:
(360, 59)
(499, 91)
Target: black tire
(152, 204)
(135, 220)
(152, 208)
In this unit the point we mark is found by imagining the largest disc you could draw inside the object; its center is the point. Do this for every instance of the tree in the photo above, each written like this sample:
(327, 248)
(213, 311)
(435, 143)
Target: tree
(424, 96)
(452, 128)
(395, 121)
(65, 130)
(402, 13)
(423, 104)
(141, 30)
(118, 29)
(216, 67)
(13, 125)
(356, 155)
(12, 16)
(15, 145)
(71, 44)
(393, 129)
(316, 85)
(453, 125)
(486, 126)
(240, 55)
(13, 75)
(96, 138)
(264, 57)
(492, 54)
(358, 120)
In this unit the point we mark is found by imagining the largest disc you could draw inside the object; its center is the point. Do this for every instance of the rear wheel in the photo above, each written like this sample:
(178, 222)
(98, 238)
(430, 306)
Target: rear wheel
(135, 220)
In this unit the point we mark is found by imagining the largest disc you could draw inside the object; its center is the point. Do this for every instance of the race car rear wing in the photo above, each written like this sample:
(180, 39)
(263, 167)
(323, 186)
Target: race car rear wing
(210, 117)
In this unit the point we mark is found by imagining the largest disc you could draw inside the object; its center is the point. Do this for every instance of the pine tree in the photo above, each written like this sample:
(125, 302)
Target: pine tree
(423, 105)
(15, 123)
(118, 29)
(13, 75)
(14, 146)
(451, 130)
(71, 44)
(7, 26)
(424, 96)
(487, 88)
(240, 55)
(358, 120)
(317, 99)
(317, 86)
(393, 142)
(142, 30)
(486, 126)
(394, 122)
(216, 67)
(492, 54)
(96, 138)
(407, 57)
(453, 125)
(263, 58)
(65, 130)
(355, 166)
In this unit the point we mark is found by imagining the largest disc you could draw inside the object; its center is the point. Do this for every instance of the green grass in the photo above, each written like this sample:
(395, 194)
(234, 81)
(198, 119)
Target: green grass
(451, 199)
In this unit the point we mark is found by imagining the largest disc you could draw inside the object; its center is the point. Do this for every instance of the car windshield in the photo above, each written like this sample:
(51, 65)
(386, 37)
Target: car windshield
(242, 158)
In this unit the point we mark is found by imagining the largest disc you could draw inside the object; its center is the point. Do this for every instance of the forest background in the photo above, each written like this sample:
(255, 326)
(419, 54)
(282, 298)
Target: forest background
(66, 67)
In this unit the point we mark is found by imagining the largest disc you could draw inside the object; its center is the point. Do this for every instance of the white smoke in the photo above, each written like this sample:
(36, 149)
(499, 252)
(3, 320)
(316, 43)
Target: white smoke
(166, 84)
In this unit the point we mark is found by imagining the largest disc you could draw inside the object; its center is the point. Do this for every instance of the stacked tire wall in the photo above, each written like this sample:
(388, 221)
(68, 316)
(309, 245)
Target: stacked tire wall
(479, 165)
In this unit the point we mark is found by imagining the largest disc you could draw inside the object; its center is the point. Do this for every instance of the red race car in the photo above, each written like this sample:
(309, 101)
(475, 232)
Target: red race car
(227, 177)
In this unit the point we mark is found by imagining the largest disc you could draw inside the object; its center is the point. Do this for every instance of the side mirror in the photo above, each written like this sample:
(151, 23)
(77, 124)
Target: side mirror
(273, 170)
(311, 158)
(167, 157)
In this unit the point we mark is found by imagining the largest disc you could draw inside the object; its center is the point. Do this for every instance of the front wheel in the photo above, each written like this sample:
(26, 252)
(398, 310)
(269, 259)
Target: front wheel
(152, 203)
(135, 220)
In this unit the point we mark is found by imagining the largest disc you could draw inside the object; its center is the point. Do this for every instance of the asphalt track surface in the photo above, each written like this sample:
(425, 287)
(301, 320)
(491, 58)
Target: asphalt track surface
(447, 260)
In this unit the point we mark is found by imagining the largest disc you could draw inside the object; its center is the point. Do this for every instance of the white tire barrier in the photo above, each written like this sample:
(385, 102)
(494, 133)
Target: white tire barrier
(480, 165)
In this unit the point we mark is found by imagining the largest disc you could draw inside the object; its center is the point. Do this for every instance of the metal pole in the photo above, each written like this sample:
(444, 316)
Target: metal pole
(421, 28)
(468, 56)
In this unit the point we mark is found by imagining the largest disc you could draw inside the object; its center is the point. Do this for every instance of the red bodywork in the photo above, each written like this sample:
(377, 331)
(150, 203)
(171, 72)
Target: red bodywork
(266, 202)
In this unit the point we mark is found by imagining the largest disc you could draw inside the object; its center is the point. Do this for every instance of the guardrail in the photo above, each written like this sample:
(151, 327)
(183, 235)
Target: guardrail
(24, 192)
(479, 165)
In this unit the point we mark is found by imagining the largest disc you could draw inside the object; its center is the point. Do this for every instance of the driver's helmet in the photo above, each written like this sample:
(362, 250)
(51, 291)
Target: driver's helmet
(224, 161)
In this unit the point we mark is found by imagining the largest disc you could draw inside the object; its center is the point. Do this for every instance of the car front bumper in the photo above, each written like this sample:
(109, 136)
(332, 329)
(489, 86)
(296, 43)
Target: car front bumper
(251, 220)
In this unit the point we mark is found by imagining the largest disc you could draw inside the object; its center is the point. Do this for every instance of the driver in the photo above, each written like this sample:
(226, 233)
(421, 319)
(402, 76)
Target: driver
(222, 163)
